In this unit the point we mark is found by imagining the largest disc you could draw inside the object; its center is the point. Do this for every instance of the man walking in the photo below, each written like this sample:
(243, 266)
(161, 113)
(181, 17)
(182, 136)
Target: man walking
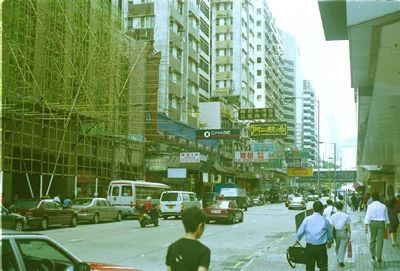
(318, 232)
(341, 226)
(329, 211)
(188, 253)
(376, 218)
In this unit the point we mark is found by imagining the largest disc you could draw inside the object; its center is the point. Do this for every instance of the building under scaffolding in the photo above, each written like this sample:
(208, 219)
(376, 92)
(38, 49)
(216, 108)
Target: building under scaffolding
(76, 99)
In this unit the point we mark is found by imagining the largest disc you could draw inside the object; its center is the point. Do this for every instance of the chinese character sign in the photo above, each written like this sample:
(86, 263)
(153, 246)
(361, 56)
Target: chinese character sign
(265, 130)
(251, 157)
(256, 113)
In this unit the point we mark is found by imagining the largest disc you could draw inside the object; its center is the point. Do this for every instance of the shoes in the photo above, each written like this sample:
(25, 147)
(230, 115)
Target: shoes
(341, 264)
(379, 260)
(393, 244)
(373, 258)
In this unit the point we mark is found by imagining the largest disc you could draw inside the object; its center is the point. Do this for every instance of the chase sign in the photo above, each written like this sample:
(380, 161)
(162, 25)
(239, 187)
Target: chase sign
(218, 134)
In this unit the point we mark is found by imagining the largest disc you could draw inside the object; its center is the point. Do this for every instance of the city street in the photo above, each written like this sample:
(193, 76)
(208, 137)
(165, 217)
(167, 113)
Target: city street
(125, 243)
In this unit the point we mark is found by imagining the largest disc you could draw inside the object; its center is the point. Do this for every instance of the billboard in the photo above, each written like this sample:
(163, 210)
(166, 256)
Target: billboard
(251, 157)
(256, 113)
(218, 134)
(300, 171)
(268, 129)
(177, 173)
(189, 157)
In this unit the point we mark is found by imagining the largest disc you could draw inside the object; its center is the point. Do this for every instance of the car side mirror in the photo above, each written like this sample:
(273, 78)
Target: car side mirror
(81, 267)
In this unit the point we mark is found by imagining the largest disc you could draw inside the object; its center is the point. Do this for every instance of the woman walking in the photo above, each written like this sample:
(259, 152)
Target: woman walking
(394, 220)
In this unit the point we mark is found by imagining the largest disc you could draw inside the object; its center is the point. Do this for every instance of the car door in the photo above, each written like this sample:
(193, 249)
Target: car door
(50, 211)
(100, 207)
(193, 199)
(64, 214)
(7, 220)
(186, 200)
(111, 211)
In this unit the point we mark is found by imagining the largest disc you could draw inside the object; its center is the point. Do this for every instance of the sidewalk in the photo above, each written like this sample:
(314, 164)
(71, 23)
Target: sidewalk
(274, 256)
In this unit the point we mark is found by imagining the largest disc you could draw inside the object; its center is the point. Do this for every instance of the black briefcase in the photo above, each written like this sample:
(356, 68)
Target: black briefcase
(296, 254)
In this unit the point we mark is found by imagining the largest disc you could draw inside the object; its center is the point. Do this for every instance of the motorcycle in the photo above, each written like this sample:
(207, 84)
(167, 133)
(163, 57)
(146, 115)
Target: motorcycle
(148, 217)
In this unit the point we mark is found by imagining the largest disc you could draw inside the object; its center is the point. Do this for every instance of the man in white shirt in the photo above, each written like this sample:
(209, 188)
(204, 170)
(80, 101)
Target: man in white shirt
(329, 211)
(376, 217)
(341, 225)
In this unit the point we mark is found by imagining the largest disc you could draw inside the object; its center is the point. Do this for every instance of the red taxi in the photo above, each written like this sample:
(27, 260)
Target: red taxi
(224, 210)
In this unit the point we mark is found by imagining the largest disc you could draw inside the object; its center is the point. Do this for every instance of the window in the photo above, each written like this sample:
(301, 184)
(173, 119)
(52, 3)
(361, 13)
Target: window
(203, 83)
(204, 46)
(107, 203)
(100, 203)
(258, 23)
(258, 72)
(258, 59)
(204, 28)
(186, 197)
(258, 48)
(173, 103)
(259, 11)
(258, 84)
(205, 10)
(127, 191)
(34, 252)
(115, 191)
(204, 64)
(192, 197)
(258, 35)
(8, 258)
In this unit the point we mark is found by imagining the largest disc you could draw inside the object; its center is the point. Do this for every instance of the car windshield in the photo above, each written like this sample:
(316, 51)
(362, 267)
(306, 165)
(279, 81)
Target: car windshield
(297, 199)
(82, 201)
(224, 204)
(170, 197)
(25, 204)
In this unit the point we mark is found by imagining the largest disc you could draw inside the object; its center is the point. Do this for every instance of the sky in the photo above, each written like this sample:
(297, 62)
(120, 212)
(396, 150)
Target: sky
(327, 66)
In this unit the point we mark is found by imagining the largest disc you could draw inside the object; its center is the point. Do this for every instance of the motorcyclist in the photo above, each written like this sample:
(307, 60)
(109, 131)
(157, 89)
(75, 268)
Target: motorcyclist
(148, 205)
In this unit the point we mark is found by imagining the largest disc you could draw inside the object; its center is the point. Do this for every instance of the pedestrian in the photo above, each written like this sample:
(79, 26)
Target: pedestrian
(365, 201)
(342, 232)
(57, 198)
(318, 234)
(354, 202)
(67, 202)
(376, 218)
(393, 213)
(188, 253)
(398, 202)
(329, 210)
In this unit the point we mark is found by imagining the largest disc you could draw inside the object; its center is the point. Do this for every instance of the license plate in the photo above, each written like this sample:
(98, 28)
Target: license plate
(215, 211)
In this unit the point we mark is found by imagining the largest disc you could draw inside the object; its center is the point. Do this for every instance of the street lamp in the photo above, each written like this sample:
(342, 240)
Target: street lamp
(334, 167)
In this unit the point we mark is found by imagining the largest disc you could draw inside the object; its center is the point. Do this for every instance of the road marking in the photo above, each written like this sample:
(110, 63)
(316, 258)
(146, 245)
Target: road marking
(75, 240)
(135, 230)
(251, 256)
(166, 245)
(235, 227)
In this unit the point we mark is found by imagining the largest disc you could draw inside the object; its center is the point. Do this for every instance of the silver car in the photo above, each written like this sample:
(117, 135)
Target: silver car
(95, 210)
(297, 203)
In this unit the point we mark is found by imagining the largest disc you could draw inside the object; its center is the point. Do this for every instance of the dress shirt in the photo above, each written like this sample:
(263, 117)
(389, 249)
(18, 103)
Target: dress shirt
(376, 211)
(316, 228)
(340, 220)
(328, 212)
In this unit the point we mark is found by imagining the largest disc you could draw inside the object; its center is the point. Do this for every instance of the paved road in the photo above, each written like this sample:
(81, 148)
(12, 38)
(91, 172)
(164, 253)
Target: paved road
(125, 243)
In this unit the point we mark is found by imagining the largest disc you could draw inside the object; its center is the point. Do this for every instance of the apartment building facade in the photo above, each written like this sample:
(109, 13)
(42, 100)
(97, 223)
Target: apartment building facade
(310, 122)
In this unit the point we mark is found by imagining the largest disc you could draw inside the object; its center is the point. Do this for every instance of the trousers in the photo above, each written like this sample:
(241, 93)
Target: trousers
(341, 245)
(316, 254)
(377, 229)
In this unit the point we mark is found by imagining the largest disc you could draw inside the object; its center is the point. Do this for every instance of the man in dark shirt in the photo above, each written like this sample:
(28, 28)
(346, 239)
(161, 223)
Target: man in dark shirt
(188, 253)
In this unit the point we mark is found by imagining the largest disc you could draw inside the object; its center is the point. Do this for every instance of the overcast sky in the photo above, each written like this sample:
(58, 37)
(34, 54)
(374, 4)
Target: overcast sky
(327, 65)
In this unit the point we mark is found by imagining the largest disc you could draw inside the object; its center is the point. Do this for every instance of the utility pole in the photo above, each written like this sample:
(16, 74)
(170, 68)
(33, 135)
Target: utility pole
(334, 168)
(319, 162)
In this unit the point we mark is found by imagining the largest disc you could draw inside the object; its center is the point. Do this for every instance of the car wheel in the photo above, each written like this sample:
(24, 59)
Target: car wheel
(165, 217)
(142, 224)
(241, 219)
(207, 221)
(74, 221)
(231, 219)
(19, 226)
(96, 219)
(119, 217)
(44, 224)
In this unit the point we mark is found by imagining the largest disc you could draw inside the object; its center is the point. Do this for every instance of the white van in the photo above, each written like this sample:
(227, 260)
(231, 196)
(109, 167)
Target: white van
(124, 193)
(172, 203)
(237, 194)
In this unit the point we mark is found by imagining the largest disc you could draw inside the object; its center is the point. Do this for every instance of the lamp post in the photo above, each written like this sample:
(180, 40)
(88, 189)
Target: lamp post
(334, 167)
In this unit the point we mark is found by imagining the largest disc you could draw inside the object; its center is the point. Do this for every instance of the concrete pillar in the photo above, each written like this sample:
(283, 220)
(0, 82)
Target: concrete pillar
(7, 187)
(397, 180)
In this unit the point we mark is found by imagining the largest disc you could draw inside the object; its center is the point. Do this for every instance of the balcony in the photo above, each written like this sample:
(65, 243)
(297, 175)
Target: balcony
(175, 14)
(140, 10)
(174, 113)
(193, 76)
(175, 63)
(175, 39)
(194, 32)
(224, 28)
(224, 60)
(192, 121)
(175, 89)
(223, 91)
(223, 75)
(224, 44)
(193, 99)
(194, 54)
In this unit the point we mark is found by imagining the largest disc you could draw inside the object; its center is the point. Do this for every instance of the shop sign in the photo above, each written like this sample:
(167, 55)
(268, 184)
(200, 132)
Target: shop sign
(156, 164)
(268, 130)
(203, 158)
(218, 134)
(229, 179)
(300, 171)
(264, 146)
(189, 157)
(256, 113)
(251, 157)
(179, 173)
(205, 177)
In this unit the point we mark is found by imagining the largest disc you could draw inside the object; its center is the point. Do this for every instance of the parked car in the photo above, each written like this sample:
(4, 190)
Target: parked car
(172, 203)
(12, 221)
(297, 203)
(224, 210)
(95, 210)
(47, 213)
(250, 202)
(310, 197)
(21, 206)
(32, 251)
(257, 201)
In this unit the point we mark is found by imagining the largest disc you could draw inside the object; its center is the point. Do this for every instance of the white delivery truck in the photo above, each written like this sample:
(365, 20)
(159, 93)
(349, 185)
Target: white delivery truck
(237, 194)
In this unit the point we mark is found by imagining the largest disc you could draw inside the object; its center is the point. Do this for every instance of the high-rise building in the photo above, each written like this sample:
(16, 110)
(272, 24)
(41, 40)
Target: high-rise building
(293, 85)
(310, 120)
(180, 31)
(233, 51)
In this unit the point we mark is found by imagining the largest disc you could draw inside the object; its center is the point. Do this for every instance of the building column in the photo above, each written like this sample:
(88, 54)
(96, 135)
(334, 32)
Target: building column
(7, 187)
(397, 180)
